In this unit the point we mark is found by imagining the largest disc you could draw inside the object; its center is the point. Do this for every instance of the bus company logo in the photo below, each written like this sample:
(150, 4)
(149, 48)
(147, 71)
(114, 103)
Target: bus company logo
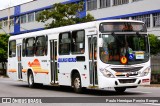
(127, 75)
(67, 60)
(34, 63)
(6, 100)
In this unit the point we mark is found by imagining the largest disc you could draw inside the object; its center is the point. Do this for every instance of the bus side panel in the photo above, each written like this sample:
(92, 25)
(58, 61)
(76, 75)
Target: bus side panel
(84, 72)
(12, 68)
(39, 68)
(12, 63)
(66, 68)
(68, 63)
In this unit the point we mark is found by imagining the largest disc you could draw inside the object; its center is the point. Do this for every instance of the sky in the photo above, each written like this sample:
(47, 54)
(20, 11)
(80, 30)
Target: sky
(6, 3)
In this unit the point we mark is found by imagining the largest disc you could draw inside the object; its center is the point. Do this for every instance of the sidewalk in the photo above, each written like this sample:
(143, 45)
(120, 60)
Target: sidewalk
(3, 76)
(152, 85)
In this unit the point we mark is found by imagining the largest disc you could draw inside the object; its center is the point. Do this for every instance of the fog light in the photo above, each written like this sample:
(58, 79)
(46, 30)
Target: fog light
(139, 81)
(116, 83)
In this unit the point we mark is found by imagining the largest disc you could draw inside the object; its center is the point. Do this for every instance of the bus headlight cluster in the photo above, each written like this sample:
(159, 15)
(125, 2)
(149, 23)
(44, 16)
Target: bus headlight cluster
(106, 73)
(146, 71)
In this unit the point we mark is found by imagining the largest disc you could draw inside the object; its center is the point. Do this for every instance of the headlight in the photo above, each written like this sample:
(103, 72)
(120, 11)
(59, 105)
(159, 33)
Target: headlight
(146, 71)
(106, 73)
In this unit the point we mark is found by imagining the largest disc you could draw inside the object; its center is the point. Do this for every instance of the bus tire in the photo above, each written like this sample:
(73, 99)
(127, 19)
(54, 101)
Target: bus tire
(77, 83)
(120, 89)
(31, 83)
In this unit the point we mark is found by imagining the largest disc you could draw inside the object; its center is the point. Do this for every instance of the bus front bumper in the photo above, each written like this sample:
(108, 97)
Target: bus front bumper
(123, 82)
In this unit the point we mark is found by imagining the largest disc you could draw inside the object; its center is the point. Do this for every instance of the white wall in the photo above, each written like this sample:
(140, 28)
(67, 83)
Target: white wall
(33, 6)
(133, 7)
(38, 4)
(130, 8)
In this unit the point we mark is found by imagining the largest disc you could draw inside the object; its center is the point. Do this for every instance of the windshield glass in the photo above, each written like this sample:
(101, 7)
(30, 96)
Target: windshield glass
(132, 46)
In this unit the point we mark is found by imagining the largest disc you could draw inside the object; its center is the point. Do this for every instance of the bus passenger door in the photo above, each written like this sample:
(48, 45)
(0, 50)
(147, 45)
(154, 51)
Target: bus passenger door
(53, 61)
(12, 60)
(92, 46)
(19, 50)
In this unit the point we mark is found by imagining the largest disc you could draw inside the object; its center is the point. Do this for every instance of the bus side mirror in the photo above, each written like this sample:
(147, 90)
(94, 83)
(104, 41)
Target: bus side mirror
(100, 42)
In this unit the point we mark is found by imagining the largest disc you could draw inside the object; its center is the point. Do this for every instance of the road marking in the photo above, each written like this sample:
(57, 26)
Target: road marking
(10, 81)
(152, 104)
(140, 91)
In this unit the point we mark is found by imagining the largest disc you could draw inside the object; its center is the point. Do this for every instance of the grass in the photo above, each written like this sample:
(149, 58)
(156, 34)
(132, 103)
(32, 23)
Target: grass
(155, 77)
(155, 72)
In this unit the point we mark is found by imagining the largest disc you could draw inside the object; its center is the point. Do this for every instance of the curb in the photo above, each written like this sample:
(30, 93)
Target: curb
(152, 85)
(2, 76)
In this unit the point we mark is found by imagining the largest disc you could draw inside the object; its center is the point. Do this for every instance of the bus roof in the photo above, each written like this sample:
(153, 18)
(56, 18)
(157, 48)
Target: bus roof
(87, 25)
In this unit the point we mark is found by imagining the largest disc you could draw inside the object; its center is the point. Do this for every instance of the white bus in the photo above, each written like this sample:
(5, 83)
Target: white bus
(94, 55)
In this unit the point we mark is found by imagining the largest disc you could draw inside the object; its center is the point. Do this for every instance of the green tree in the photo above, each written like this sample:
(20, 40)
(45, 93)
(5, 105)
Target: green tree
(3, 49)
(64, 14)
(154, 44)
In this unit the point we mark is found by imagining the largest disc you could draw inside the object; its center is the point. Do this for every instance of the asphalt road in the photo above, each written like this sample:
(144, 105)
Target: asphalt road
(10, 88)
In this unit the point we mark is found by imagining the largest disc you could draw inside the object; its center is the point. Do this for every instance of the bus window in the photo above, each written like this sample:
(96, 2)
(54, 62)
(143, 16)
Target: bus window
(30, 46)
(40, 46)
(12, 48)
(64, 43)
(24, 48)
(78, 42)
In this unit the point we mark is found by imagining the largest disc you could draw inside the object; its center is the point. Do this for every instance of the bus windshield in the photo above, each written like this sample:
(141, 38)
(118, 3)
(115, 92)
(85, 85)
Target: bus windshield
(134, 47)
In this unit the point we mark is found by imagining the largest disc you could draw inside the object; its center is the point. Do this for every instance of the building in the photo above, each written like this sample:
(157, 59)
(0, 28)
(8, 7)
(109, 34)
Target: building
(23, 17)
(144, 10)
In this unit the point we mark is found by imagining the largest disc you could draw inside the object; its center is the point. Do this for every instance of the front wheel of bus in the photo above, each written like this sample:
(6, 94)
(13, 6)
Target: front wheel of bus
(120, 89)
(31, 83)
(77, 83)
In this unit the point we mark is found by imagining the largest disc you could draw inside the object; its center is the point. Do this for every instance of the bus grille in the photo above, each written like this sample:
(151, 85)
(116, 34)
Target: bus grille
(127, 80)
(134, 69)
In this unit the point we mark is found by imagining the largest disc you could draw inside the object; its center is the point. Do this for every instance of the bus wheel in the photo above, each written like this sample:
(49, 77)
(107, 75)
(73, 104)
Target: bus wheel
(120, 89)
(31, 83)
(77, 83)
